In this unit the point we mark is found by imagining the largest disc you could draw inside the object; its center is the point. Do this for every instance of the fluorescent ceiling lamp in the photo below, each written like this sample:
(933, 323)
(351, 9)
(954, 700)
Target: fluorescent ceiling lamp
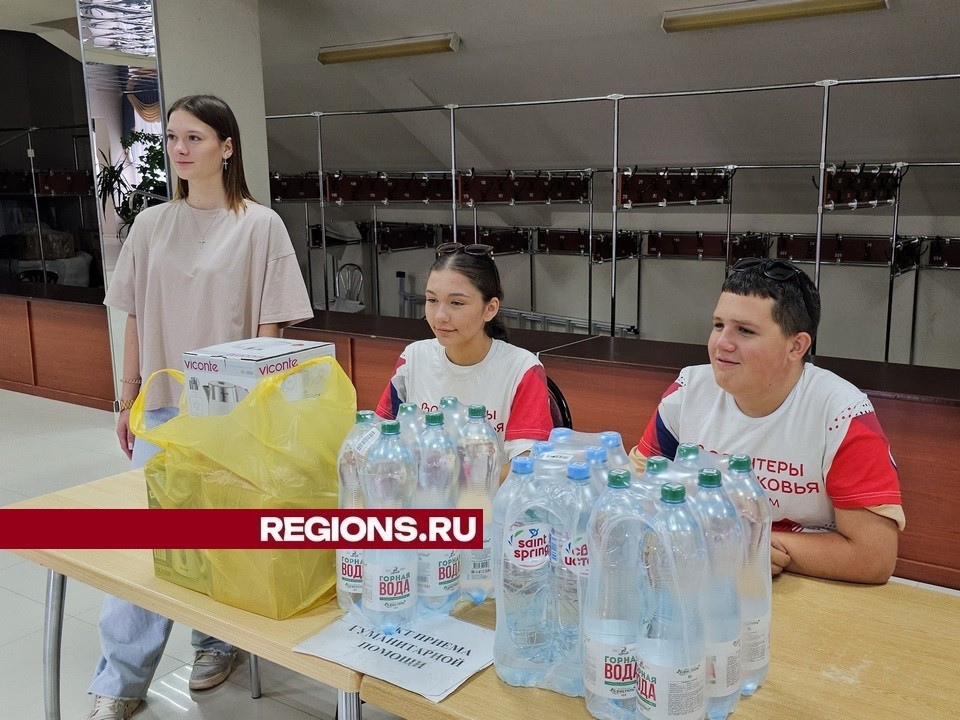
(385, 49)
(757, 11)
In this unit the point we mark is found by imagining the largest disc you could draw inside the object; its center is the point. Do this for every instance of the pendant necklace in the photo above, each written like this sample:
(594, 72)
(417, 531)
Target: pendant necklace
(203, 233)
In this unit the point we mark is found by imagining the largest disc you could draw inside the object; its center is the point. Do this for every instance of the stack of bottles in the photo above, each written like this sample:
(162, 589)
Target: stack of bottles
(444, 459)
(651, 597)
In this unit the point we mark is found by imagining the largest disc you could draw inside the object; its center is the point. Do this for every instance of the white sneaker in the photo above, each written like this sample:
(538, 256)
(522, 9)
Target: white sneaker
(210, 669)
(108, 708)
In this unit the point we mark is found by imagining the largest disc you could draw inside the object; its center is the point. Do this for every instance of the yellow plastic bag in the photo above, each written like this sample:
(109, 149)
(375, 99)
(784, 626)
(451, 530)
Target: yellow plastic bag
(266, 453)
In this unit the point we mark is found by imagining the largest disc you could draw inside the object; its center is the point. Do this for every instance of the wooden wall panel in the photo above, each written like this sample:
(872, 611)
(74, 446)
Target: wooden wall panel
(373, 362)
(608, 397)
(16, 362)
(923, 439)
(71, 346)
(341, 342)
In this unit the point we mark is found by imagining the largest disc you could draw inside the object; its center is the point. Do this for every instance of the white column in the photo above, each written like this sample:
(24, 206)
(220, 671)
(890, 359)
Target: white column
(213, 46)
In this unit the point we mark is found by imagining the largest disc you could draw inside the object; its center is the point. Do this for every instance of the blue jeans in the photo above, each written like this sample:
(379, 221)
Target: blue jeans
(132, 639)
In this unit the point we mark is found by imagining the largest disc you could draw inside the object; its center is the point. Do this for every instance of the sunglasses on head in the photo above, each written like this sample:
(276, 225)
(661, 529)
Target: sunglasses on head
(778, 270)
(450, 248)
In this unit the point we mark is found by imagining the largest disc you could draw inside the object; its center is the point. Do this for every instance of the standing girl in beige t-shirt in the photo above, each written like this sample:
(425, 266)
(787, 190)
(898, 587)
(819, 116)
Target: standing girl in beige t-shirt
(209, 267)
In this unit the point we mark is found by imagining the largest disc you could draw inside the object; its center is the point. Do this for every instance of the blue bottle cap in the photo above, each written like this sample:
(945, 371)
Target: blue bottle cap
(540, 447)
(595, 453)
(560, 434)
(578, 470)
(610, 438)
(522, 465)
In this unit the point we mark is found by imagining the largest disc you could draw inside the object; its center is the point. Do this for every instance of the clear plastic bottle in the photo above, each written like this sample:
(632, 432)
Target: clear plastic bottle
(521, 472)
(481, 457)
(438, 483)
(723, 533)
(523, 645)
(616, 456)
(570, 569)
(748, 497)
(597, 460)
(389, 576)
(671, 649)
(686, 467)
(655, 475)
(454, 415)
(349, 463)
(410, 418)
(615, 597)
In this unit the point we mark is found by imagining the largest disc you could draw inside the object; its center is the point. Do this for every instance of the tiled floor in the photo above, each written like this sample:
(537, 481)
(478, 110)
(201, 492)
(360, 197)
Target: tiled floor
(46, 446)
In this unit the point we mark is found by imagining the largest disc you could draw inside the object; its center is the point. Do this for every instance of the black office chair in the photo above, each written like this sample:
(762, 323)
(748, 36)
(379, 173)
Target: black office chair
(36, 276)
(559, 410)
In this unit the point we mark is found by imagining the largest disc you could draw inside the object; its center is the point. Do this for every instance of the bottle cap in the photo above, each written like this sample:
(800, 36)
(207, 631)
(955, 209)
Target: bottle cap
(540, 447)
(559, 435)
(365, 416)
(448, 400)
(709, 478)
(740, 463)
(434, 418)
(673, 493)
(389, 427)
(477, 411)
(687, 451)
(610, 439)
(656, 464)
(595, 453)
(522, 465)
(578, 470)
(407, 409)
(618, 478)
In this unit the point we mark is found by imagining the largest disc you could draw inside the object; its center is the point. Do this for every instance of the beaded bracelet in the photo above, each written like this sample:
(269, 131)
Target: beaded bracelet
(131, 381)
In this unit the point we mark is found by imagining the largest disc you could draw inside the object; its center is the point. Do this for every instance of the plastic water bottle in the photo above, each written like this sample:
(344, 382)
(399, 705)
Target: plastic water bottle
(481, 457)
(656, 474)
(671, 649)
(410, 418)
(349, 462)
(570, 568)
(597, 461)
(686, 467)
(616, 456)
(523, 644)
(389, 576)
(454, 415)
(521, 472)
(438, 478)
(723, 534)
(614, 601)
(748, 497)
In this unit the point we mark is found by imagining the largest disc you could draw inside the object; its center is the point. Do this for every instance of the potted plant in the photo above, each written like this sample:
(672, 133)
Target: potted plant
(129, 199)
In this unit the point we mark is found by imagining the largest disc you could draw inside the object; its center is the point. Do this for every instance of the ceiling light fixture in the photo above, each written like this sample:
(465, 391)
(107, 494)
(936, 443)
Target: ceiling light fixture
(757, 11)
(385, 49)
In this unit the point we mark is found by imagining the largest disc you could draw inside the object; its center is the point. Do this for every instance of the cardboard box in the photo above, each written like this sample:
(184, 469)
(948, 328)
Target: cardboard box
(220, 376)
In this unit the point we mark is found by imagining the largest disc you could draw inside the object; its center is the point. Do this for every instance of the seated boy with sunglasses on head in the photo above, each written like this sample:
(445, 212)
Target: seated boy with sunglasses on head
(816, 444)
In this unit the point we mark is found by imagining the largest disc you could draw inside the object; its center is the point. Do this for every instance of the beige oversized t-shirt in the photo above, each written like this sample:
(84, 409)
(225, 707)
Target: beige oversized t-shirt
(187, 295)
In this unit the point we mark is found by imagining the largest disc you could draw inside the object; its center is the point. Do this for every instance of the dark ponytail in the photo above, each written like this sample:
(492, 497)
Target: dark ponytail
(482, 273)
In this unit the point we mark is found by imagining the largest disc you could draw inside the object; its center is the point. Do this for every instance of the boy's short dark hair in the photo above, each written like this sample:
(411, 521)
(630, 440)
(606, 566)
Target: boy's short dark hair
(796, 300)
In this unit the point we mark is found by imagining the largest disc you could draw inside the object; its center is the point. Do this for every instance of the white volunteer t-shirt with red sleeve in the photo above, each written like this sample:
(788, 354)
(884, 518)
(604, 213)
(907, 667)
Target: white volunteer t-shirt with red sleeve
(509, 381)
(822, 448)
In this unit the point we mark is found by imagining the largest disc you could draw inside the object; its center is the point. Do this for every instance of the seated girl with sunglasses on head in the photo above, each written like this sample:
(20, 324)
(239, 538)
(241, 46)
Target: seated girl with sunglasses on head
(469, 357)
(816, 444)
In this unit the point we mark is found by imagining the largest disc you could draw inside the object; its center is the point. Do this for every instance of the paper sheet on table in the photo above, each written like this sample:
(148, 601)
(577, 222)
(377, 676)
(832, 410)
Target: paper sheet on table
(433, 658)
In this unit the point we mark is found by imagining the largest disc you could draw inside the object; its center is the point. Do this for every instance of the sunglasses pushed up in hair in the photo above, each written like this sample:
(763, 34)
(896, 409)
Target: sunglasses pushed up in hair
(778, 270)
(476, 249)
